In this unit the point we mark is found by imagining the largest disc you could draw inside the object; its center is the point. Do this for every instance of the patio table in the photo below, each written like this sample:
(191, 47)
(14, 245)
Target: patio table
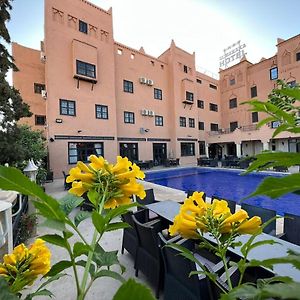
(168, 209)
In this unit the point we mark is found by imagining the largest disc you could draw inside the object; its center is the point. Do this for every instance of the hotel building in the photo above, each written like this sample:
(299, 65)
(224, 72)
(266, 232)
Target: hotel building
(91, 94)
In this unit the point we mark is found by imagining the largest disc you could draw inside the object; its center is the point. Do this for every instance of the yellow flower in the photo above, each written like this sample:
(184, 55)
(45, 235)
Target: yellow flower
(195, 214)
(117, 183)
(220, 208)
(77, 188)
(23, 266)
(250, 226)
(237, 217)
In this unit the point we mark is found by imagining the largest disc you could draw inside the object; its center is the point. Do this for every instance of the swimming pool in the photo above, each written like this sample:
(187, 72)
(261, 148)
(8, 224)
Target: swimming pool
(228, 184)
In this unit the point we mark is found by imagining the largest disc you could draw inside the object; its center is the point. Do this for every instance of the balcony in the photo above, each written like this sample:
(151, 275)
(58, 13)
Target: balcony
(251, 127)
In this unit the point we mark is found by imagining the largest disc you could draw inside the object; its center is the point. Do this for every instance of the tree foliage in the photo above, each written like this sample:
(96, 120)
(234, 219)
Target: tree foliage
(12, 107)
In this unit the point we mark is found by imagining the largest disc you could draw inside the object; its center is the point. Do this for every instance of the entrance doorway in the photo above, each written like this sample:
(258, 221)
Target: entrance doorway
(159, 153)
(130, 150)
(231, 149)
(215, 151)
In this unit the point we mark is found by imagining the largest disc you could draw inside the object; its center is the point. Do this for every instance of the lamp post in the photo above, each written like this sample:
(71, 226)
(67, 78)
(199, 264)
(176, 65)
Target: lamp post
(6, 239)
(31, 171)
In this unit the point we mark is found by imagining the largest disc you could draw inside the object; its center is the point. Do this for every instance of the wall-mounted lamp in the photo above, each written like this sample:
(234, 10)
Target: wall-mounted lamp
(79, 131)
(282, 143)
(51, 139)
(58, 120)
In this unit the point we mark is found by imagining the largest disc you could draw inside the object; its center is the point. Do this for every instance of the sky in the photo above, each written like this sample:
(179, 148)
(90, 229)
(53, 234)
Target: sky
(203, 26)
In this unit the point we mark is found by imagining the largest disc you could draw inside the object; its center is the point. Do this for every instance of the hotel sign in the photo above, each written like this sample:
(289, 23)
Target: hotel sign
(232, 53)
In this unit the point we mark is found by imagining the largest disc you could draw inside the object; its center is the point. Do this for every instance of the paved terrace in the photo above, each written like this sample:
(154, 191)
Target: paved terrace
(103, 288)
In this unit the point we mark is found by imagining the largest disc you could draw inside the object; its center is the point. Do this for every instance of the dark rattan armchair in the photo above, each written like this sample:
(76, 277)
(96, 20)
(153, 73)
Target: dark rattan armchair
(148, 256)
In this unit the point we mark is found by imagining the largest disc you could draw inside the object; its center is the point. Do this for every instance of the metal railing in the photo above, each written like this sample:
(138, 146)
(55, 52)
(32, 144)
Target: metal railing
(251, 127)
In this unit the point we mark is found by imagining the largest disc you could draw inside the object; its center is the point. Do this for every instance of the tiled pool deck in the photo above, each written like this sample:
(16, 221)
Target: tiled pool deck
(103, 288)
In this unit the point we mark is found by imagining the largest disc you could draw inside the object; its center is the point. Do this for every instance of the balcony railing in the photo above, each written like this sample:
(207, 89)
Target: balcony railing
(251, 127)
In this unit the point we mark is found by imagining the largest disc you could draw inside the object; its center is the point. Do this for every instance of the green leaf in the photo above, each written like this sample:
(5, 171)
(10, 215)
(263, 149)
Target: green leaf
(51, 279)
(274, 159)
(98, 221)
(12, 179)
(282, 290)
(80, 249)
(44, 292)
(245, 291)
(58, 267)
(93, 196)
(120, 210)
(133, 290)
(55, 239)
(81, 216)
(108, 273)
(105, 258)
(54, 224)
(268, 263)
(291, 92)
(276, 187)
(69, 202)
(82, 263)
(116, 226)
(5, 292)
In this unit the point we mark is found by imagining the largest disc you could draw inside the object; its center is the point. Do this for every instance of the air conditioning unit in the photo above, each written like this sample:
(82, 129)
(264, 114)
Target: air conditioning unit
(150, 82)
(151, 113)
(44, 94)
(43, 57)
(144, 112)
(143, 80)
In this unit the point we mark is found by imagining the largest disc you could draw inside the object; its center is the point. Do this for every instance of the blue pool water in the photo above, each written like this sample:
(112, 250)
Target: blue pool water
(226, 184)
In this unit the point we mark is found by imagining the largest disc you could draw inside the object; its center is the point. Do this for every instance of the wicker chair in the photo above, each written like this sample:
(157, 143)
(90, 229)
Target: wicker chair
(291, 227)
(130, 238)
(177, 283)
(148, 257)
(150, 198)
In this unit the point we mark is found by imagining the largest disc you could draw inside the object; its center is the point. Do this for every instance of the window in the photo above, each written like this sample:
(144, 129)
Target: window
(200, 104)
(189, 96)
(101, 111)
(255, 117)
(199, 81)
(191, 122)
(182, 122)
(232, 81)
(40, 120)
(185, 69)
(81, 151)
(253, 92)
(132, 56)
(128, 117)
(158, 94)
(233, 126)
(213, 107)
(275, 124)
(38, 87)
(159, 121)
(201, 125)
(120, 51)
(187, 149)
(274, 73)
(85, 69)
(233, 103)
(212, 86)
(298, 56)
(202, 148)
(127, 86)
(67, 107)
(83, 27)
(214, 127)
(292, 83)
